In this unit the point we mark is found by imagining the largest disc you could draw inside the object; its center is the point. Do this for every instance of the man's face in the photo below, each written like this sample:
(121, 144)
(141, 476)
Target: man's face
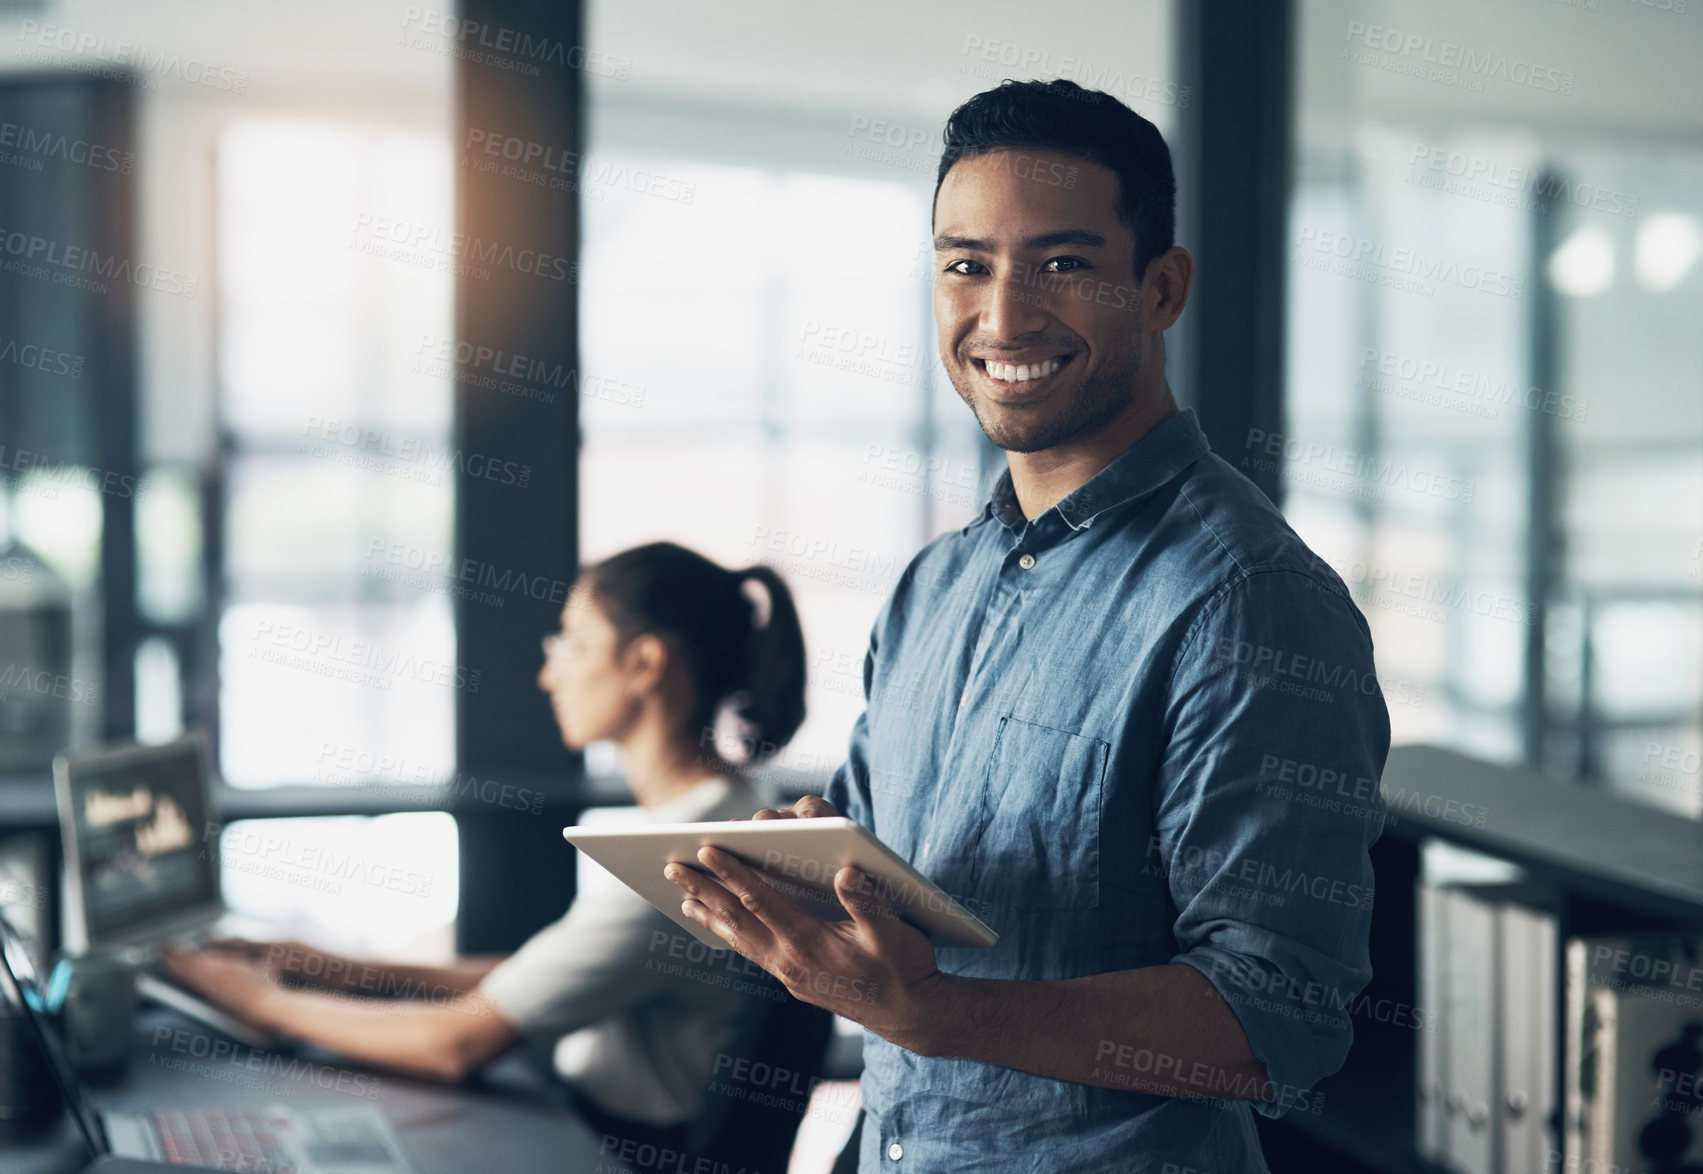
(1036, 296)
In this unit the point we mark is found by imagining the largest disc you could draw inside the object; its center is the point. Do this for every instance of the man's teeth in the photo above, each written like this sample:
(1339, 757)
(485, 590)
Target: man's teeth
(1022, 372)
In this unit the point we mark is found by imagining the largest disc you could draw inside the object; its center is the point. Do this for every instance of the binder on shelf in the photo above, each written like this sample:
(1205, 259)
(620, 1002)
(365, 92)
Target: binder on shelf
(1634, 1051)
(1428, 993)
(1528, 1000)
(1468, 1023)
(1489, 969)
(1579, 1040)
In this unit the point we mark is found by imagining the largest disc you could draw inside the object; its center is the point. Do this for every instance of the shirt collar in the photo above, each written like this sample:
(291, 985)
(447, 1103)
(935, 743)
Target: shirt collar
(1137, 471)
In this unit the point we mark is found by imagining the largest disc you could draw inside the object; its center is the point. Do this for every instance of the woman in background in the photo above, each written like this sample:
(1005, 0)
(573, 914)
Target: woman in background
(659, 647)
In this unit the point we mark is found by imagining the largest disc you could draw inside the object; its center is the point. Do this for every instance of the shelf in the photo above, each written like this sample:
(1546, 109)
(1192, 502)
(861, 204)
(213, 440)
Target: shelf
(1595, 843)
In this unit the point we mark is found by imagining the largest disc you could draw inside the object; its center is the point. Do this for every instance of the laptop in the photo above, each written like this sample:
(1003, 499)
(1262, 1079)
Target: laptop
(142, 863)
(273, 1138)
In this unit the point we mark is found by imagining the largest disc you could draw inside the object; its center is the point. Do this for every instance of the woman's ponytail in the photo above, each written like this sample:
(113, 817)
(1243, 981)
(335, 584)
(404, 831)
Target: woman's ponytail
(737, 634)
(774, 687)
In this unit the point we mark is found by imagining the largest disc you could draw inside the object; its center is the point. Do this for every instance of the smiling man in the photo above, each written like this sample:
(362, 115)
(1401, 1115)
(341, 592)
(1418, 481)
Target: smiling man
(1152, 761)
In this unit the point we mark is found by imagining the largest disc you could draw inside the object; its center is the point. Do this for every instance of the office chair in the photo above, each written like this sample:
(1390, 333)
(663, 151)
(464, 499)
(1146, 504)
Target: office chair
(789, 1037)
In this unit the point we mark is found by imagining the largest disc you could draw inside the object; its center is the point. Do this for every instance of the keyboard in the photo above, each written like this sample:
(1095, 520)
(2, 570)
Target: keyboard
(225, 1139)
(333, 1138)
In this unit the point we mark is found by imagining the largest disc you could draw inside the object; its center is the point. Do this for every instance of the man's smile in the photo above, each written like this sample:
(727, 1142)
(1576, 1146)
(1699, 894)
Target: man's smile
(1028, 372)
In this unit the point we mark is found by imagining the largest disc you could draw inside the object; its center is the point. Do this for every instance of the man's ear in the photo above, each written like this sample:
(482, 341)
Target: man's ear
(1169, 277)
(646, 661)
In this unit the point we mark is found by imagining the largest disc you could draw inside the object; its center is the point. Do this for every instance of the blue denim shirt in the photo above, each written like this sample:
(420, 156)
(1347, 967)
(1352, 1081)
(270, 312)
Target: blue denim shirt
(1142, 728)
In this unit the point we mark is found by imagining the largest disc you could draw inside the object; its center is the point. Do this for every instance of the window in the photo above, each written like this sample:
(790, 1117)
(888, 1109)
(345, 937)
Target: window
(384, 884)
(1493, 427)
(337, 510)
(337, 505)
(771, 339)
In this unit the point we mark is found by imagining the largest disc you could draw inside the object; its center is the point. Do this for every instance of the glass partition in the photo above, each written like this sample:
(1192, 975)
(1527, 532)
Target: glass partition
(1494, 429)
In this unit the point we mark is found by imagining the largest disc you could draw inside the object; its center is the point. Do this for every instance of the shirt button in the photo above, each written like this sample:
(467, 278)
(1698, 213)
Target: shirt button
(895, 1151)
(1027, 561)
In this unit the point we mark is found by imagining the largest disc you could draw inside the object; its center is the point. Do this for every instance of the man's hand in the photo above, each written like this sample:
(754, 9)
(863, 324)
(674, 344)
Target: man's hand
(233, 982)
(809, 807)
(873, 969)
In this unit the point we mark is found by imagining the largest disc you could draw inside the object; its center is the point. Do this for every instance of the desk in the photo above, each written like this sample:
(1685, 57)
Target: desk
(507, 1121)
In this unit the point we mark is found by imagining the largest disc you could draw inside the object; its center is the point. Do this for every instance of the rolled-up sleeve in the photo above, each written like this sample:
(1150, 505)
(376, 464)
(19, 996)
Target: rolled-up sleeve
(1267, 806)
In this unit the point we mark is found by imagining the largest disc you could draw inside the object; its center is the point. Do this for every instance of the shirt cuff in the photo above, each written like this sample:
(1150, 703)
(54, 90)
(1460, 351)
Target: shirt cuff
(1298, 1045)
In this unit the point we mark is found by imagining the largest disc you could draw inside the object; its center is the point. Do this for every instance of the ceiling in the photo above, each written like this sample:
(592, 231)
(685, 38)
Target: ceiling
(1632, 64)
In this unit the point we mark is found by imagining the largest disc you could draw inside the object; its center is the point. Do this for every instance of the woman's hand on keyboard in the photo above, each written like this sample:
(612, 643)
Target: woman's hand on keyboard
(289, 961)
(235, 983)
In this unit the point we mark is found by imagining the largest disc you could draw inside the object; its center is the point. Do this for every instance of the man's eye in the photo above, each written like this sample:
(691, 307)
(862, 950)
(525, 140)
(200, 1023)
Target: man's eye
(957, 267)
(1064, 265)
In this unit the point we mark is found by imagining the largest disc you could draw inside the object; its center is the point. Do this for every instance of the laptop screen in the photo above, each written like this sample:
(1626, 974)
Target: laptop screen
(139, 817)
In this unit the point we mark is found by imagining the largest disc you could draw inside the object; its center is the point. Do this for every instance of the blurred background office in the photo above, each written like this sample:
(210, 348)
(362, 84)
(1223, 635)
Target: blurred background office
(335, 334)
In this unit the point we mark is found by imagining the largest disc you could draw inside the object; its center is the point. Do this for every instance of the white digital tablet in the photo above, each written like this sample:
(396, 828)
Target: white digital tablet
(799, 858)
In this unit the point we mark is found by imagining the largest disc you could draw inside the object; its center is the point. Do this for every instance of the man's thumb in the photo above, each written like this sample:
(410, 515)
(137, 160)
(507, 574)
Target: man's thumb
(869, 910)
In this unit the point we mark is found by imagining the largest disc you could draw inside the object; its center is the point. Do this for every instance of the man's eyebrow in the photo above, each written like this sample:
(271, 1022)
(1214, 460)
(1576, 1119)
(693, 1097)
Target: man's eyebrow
(1046, 240)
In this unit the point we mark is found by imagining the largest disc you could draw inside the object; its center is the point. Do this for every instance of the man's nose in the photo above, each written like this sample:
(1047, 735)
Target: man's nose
(1014, 307)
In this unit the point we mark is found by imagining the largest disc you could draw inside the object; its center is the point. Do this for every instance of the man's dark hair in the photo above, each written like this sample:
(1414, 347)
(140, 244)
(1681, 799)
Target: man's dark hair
(1061, 116)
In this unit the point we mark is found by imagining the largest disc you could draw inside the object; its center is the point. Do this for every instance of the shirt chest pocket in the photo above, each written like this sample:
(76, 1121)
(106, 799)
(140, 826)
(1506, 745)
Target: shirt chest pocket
(1040, 847)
